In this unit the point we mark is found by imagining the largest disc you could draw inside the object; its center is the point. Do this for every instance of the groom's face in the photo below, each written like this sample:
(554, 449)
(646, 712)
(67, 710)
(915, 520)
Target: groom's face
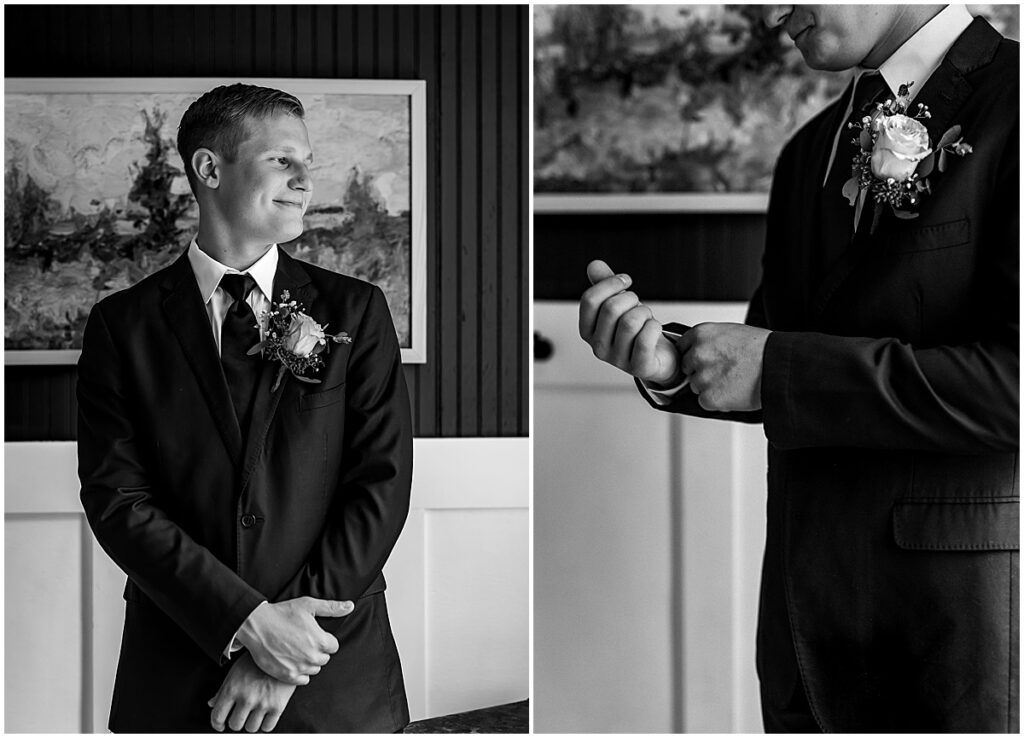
(265, 191)
(833, 37)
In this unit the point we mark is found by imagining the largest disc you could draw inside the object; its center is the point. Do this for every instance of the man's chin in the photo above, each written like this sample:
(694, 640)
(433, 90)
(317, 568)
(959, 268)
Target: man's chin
(289, 234)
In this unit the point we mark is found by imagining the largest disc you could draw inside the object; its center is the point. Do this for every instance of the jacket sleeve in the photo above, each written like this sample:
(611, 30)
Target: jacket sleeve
(372, 501)
(822, 390)
(202, 595)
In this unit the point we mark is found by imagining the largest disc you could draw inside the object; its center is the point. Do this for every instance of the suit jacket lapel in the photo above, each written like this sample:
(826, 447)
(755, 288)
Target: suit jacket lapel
(186, 314)
(292, 277)
(947, 89)
(945, 94)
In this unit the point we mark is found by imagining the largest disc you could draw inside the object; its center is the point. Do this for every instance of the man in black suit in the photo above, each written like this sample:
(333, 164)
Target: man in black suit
(241, 502)
(882, 357)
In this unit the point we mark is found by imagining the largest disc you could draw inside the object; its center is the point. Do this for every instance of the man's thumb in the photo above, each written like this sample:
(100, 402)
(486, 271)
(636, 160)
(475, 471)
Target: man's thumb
(332, 608)
(598, 270)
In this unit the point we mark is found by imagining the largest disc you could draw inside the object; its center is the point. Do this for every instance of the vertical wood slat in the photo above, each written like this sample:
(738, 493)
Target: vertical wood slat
(365, 42)
(488, 83)
(426, 64)
(304, 41)
(448, 244)
(512, 213)
(473, 60)
(325, 62)
(385, 42)
(469, 231)
(345, 48)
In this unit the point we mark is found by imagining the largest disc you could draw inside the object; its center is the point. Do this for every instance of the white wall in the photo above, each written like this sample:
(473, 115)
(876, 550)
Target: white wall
(457, 586)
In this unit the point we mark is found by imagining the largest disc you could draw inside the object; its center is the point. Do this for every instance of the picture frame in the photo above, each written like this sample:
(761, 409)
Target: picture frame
(368, 217)
(670, 108)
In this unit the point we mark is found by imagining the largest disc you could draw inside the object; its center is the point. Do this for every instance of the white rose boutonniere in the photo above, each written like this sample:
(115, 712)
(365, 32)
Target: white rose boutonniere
(295, 339)
(896, 158)
(901, 144)
(304, 335)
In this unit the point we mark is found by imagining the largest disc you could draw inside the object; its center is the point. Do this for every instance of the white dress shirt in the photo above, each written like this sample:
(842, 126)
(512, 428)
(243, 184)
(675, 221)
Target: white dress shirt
(208, 273)
(915, 61)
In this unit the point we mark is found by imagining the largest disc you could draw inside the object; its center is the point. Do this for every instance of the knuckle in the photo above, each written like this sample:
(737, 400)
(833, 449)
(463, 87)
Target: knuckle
(633, 321)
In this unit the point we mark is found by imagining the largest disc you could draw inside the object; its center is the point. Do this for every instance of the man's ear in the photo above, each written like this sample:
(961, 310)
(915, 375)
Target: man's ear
(206, 166)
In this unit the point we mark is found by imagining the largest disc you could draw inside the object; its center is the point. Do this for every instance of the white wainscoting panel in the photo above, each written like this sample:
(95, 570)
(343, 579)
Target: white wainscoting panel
(648, 537)
(42, 623)
(477, 608)
(457, 586)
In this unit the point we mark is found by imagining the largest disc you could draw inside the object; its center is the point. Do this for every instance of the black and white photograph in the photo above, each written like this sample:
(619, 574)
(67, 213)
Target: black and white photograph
(548, 368)
(266, 297)
(776, 380)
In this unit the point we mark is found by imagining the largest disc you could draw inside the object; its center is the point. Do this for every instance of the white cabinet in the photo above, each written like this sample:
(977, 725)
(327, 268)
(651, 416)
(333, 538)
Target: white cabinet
(648, 537)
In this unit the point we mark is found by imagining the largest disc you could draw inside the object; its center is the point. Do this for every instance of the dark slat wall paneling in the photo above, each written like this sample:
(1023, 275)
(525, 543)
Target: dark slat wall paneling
(474, 60)
(699, 257)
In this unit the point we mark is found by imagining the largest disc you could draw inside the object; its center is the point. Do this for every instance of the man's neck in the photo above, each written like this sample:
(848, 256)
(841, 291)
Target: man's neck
(219, 244)
(909, 20)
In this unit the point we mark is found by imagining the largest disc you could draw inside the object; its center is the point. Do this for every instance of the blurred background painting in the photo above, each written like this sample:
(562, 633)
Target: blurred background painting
(95, 199)
(671, 98)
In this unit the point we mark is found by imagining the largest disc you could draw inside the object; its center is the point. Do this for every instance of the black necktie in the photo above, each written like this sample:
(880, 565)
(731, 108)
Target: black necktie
(870, 89)
(239, 334)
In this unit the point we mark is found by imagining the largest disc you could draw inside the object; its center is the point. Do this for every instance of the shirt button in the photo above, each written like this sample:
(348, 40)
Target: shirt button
(248, 521)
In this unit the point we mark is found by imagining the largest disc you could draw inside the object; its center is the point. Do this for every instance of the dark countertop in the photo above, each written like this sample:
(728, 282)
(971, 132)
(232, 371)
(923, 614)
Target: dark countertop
(511, 718)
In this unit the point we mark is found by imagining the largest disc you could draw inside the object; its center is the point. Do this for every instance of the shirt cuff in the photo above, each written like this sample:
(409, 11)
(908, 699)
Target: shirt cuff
(664, 396)
(234, 647)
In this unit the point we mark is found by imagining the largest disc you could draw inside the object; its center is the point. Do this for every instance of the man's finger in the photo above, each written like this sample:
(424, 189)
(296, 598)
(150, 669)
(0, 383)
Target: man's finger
(330, 644)
(685, 342)
(238, 716)
(643, 355)
(270, 720)
(219, 714)
(594, 298)
(627, 330)
(598, 270)
(330, 608)
(254, 721)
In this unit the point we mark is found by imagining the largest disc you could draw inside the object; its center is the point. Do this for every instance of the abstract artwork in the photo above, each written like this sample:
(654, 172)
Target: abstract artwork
(96, 198)
(670, 98)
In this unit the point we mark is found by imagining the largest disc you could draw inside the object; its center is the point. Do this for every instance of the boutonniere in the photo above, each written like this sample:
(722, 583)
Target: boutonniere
(896, 157)
(293, 338)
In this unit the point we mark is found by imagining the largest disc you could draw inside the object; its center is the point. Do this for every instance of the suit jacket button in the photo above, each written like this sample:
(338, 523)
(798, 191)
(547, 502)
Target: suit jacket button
(248, 521)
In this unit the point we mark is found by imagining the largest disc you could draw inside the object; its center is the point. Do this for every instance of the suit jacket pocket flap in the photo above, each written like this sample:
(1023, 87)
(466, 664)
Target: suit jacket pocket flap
(957, 525)
(324, 397)
(931, 237)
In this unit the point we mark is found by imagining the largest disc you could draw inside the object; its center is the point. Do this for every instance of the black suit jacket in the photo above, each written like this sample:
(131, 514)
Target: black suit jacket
(890, 403)
(207, 521)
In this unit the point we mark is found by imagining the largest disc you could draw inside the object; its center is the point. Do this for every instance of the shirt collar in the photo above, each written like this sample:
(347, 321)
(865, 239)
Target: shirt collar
(921, 54)
(209, 271)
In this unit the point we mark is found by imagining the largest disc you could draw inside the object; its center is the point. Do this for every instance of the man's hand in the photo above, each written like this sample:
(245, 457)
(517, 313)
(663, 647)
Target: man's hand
(723, 362)
(285, 640)
(249, 699)
(623, 332)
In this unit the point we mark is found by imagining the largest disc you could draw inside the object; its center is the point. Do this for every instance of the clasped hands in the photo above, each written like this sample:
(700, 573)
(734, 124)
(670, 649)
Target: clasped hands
(284, 648)
(721, 361)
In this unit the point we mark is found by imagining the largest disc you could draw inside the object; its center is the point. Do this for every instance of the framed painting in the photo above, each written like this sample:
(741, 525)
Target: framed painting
(96, 198)
(671, 108)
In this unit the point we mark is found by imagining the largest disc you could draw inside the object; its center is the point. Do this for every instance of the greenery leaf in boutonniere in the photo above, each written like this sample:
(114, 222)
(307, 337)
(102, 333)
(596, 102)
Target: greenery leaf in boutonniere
(293, 338)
